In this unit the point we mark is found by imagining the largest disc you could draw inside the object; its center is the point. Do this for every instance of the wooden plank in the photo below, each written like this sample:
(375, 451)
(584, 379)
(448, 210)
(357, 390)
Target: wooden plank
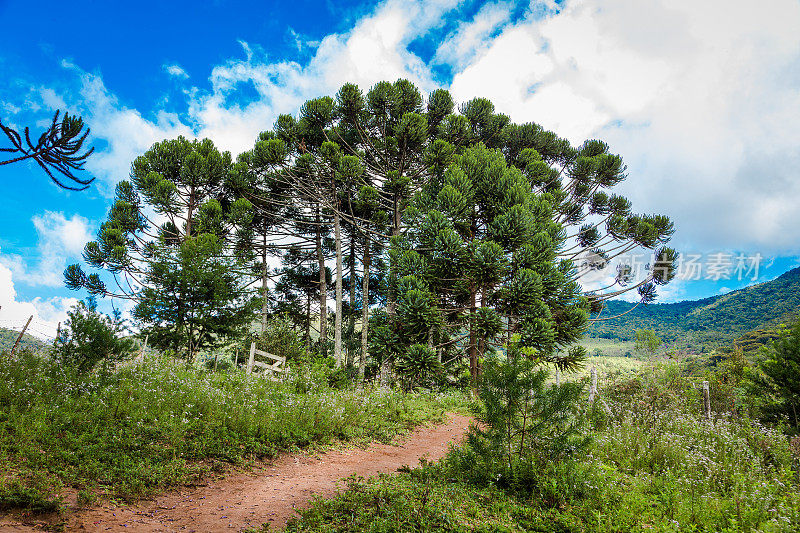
(271, 356)
(271, 367)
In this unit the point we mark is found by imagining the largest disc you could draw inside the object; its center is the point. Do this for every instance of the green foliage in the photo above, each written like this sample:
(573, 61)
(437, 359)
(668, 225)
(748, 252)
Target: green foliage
(416, 366)
(780, 377)
(522, 426)
(281, 339)
(58, 150)
(90, 338)
(646, 341)
(151, 426)
(191, 285)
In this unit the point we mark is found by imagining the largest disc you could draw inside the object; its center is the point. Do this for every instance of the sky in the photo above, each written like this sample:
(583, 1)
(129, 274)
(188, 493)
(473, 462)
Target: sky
(701, 99)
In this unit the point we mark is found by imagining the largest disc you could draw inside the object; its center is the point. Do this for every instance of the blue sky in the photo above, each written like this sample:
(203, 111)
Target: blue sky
(700, 99)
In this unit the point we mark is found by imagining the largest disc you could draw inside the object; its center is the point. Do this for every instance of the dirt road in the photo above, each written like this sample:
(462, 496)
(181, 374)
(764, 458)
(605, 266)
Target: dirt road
(270, 494)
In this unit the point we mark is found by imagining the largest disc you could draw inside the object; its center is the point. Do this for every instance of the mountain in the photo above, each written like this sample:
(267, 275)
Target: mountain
(8, 337)
(698, 324)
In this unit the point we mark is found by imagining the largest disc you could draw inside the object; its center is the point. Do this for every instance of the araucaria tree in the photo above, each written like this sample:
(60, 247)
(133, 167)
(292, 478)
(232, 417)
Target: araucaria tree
(468, 232)
(169, 245)
(484, 225)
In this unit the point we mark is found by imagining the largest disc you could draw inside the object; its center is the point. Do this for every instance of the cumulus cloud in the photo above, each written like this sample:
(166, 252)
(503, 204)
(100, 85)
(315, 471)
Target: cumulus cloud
(59, 239)
(471, 38)
(375, 49)
(176, 71)
(124, 133)
(47, 313)
(699, 98)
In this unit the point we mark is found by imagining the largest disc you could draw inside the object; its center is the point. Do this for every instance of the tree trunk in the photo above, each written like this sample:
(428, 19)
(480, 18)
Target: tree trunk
(308, 322)
(337, 333)
(264, 272)
(362, 361)
(391, 299)
(323, 291)
(385, 369)
(473, 339)
(352, 321)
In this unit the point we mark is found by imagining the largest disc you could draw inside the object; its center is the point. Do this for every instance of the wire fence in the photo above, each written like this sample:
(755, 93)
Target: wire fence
(39, 329)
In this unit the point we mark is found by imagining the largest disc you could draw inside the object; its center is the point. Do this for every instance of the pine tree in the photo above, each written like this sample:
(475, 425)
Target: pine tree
(780, 377)
(190, 288)
(489, 223)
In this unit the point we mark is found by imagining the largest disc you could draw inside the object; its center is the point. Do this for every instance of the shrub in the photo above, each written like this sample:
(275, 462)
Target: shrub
(780, 378)
(281, 339)
(90, 338)
(523, 426)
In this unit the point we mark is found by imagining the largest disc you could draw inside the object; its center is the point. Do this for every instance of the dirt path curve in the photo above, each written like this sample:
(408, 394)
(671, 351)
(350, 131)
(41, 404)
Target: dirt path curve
(271, 494)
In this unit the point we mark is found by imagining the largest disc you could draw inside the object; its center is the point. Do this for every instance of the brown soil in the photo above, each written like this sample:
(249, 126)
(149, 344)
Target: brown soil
(270, 494)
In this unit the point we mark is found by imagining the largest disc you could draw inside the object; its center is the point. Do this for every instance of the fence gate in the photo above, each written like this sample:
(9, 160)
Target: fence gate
(269, 371)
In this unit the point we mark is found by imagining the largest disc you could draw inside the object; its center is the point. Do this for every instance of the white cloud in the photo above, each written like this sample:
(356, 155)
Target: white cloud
(699, 98)
(59, 240)
(47, 313)
(470, 38)
(176, 71)
(375, 49)
(126, 131)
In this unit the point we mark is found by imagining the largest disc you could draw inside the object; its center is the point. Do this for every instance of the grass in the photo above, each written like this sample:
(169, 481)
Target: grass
(609, 368)
(654, 465)
(142, 429)
(609, 347)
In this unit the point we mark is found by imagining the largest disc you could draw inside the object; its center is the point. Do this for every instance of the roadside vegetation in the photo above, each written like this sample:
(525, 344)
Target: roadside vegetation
(651, 463)
(146, 427)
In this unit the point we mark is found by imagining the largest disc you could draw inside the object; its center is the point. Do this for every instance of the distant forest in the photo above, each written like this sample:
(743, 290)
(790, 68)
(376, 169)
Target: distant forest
(747, 316)
(9, 336)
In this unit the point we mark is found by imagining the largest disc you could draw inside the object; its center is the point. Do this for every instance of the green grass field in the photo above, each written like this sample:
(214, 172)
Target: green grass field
(609, 347)
(654, 464)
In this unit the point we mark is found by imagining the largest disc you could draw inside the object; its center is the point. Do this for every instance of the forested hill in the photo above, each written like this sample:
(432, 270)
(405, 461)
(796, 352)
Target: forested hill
(715, 320)
(8, 337)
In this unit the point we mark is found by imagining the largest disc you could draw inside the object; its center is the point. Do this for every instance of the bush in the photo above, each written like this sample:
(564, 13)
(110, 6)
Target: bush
(281, 339)
(523, 426)
(779, 379)
(90, 338)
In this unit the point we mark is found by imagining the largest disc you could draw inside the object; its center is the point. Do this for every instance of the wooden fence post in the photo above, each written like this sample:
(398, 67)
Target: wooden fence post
(706, 400)
(21, 333)
(252, 357)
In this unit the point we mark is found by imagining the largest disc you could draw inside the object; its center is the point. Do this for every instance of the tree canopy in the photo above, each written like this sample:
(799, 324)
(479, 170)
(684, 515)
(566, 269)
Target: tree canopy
(169, 243)
(466, 231)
